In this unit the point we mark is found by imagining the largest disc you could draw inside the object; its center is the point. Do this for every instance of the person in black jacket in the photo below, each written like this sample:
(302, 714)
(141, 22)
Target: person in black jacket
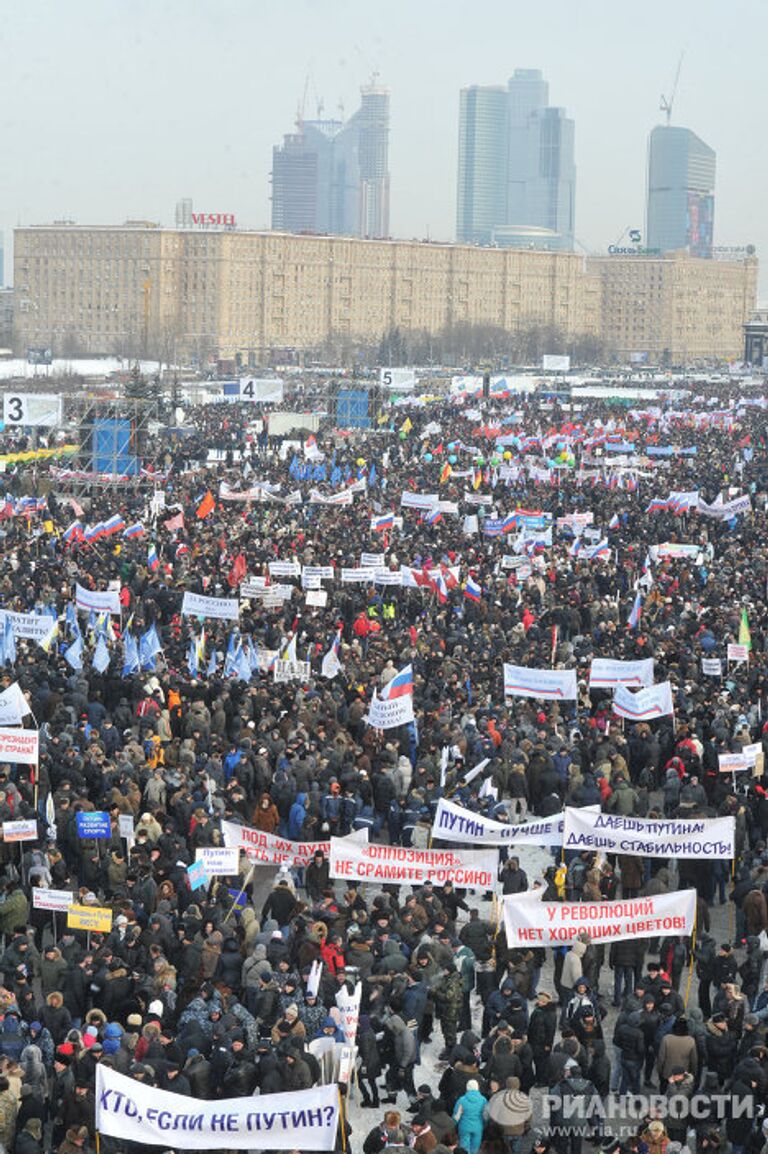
(721, 1047)
(541, 1034)
(316, 877)
(370, 1062)
(629, 1039)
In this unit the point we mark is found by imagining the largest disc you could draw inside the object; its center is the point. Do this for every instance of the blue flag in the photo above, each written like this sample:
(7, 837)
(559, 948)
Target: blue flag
(101, 655)
(74, 654)
(130, 655)
(192, 665)
(149, 647)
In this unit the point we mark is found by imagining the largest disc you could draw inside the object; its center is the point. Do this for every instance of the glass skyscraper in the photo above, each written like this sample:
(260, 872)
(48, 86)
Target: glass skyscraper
(332, 176)
(483, 141)
(517, 173)
(681, 192)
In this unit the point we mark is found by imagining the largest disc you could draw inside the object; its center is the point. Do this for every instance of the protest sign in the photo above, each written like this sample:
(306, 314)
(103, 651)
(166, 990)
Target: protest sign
(418, 500)
(711, 667)
(90, 600)
(372, 560)
(19, 746)
(20, 830)
(219, 608)
(30, 626)
(557, 684)
(727, 510)
(646, 837)
(734, 763)
(530, 922)
(284, 569)
(316, 598)
(93, 824)
(219, 861)
(56, 900)
(455, 824)
(291, 670)
(473, 870)
(389, 714)
(322, 572)
(142, 1114)
(270, 849)
(95, 919)
(197, 875)
(606, 673)
(125, 826)
(646, 704)
(349, 1008)
(737, 653)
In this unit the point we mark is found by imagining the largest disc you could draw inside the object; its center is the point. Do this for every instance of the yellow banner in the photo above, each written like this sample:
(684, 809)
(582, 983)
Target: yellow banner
(94, 918)
(37, 455)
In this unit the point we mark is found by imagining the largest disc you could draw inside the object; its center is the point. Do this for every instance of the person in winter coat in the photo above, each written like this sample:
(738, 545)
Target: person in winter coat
(53, 968)
(9, 1107)
(370, 1062)
(229, 966)
(29, 1139)
(677, 1049)
(572, 969)
(721, 1047)
(400, 1072)
(631, 870)
(542, 1028)
(469, 1113)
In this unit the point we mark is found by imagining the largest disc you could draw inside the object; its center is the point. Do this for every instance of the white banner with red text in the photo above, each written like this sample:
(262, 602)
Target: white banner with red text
(468, 869)
(530, 922)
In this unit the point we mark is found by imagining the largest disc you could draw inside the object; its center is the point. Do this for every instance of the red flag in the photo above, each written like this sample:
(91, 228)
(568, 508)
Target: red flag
(206, 506)
(238, 571)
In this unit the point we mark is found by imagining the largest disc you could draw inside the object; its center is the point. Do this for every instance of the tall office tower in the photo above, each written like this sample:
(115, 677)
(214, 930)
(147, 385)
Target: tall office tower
(541, 166)
(517, 175)
(482, 192)
(371, 124)
(184, 213)
(680, 209)
(332, 176)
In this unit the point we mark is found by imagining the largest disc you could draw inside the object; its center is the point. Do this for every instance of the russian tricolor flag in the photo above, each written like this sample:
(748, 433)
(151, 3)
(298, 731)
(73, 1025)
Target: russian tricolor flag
(74, 532)
(153, 561)
(637, 612)
(136, 530)
(379, 524)
(472, 590)
(115, 524)
(401, 685)
(433, 517)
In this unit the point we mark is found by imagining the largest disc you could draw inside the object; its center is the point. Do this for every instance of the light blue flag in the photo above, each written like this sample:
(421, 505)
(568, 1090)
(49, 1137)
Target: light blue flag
(213, 663)
(74, 654)
(101, 655)
(192, 665)
(130, 655)
(149, 647)
(231, 654)
(253, 655)
(71, 619)
(243, 665)
(10, 643)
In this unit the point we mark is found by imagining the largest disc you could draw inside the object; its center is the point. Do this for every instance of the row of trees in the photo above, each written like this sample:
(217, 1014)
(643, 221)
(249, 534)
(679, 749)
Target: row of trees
(465, 344)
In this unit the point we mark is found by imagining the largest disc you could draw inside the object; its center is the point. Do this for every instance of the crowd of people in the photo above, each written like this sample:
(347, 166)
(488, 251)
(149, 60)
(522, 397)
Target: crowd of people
(207, 992)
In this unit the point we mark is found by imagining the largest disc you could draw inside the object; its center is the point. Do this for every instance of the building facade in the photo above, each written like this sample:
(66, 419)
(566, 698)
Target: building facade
(680, 210)
(676, 309)
(207, 293)
(517, 172)
(332, 176)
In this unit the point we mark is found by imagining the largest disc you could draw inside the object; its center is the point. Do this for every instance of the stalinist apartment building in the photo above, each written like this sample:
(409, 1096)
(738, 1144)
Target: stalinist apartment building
(219, 293)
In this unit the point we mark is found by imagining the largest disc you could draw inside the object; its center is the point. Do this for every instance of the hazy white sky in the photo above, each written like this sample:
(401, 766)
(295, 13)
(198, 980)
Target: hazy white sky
(116, 108)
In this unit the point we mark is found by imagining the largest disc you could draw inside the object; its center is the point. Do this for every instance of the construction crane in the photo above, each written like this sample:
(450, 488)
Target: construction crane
(667, 103)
